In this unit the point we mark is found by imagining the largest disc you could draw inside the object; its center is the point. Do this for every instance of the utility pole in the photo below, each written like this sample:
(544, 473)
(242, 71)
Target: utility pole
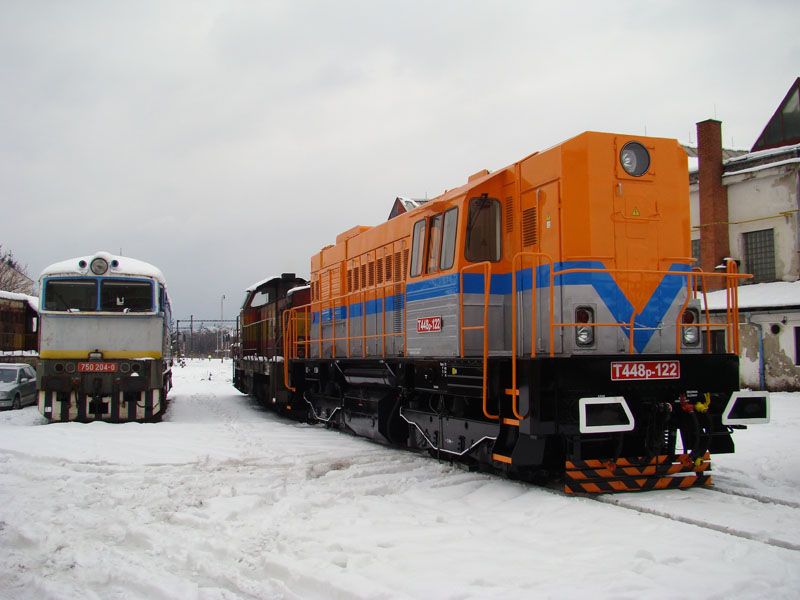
(221, 343)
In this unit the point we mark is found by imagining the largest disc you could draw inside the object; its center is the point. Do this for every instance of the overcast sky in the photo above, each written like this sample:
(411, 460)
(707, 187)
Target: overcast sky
(225, 141)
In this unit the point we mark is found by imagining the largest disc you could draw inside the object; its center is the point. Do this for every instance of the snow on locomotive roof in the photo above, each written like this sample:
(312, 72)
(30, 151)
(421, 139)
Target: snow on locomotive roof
(258, 284)
(299, 288)
(125, 266)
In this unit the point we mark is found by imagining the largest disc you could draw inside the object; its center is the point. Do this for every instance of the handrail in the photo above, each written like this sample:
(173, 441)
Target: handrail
(514, 391)
(291, 341)
(287, 345)
(487, 282)
(383, 292)
(732, 310)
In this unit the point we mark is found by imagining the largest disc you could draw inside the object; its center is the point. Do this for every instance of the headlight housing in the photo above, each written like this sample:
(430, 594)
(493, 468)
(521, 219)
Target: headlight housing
(99, 266)
(584, 334)
(691, 333)
(635, 159)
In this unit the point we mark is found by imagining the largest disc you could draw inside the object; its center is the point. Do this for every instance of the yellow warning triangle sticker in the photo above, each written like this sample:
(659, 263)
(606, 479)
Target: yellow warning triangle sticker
(635, 212)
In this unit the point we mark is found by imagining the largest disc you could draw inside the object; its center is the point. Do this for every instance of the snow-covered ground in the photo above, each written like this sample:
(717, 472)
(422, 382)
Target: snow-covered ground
(224, 501)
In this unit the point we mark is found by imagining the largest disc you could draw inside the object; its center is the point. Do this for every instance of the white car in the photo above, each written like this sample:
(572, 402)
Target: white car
(17, 385)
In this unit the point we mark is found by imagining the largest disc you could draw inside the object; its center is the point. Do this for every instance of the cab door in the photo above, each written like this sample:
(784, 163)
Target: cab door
(541, 235)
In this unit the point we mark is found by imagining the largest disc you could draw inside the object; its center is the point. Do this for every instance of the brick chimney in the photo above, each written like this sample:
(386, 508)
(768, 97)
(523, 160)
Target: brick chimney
(714, 243)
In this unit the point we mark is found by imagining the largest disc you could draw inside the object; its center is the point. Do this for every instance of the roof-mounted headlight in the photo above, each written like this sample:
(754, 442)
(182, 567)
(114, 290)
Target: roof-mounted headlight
(99, 266)
(635, 159)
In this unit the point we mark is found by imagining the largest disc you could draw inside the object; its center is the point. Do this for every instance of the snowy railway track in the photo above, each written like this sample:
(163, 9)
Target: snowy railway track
(742, 515)
(754, 496)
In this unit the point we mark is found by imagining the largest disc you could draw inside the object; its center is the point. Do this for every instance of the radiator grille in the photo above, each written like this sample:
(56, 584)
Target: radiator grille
(529, 232)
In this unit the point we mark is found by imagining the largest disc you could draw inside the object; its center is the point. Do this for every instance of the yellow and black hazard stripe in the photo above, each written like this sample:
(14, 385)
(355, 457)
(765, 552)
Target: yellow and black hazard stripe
(635, 475)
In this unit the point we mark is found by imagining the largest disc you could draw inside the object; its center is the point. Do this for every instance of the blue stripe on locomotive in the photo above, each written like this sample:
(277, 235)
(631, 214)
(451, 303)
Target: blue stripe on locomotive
(602, 282)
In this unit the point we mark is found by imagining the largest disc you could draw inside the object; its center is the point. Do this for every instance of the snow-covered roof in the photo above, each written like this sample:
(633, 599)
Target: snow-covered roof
(762, 166)
(32, 301)
(126, 266)
(411, 203)
(759, 295)
(763, 153)
(760, 160)
(258, 284)
(299, 288)
(736, 162)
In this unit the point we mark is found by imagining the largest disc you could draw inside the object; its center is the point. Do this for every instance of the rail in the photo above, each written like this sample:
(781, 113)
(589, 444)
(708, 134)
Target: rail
(731, 322)
(258, 331)
(696, 281)
(516, 267)
(299, 319)
(486, 266)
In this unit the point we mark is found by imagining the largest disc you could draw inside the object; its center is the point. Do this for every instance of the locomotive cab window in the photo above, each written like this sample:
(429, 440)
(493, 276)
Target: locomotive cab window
(418, 248)
(126, 296)
(260, 298)
(483, 230)
(449, 239)
(435, 243)
(442, 241)
(72, 295)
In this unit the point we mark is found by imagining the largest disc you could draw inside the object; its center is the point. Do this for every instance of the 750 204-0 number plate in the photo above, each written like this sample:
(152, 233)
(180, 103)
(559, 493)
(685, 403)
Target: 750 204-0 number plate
(631, 370)
(97, 367)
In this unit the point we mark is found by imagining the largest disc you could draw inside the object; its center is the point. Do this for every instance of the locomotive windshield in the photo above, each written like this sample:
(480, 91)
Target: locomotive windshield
(80, 295)
(483, 230)
(74, 295)
(126, 296)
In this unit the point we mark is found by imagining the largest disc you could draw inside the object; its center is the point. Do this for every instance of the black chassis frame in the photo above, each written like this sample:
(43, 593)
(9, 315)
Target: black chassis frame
(436, 404)
(91, 387)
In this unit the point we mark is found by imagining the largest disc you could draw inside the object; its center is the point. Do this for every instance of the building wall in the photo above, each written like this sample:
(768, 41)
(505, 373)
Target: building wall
(781, 373)
(765, 199)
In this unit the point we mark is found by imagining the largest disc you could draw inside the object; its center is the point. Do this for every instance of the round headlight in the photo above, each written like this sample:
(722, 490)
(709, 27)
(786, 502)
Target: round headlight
(99, 266)
(635, 159)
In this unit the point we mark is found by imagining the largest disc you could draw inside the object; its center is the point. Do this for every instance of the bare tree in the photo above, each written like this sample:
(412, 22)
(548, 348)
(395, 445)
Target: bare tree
(13, 274)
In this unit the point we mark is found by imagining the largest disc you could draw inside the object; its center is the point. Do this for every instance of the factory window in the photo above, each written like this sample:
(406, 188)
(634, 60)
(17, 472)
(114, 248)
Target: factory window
(759, 254)
(696, 250)
(417, 248)
(483, 230)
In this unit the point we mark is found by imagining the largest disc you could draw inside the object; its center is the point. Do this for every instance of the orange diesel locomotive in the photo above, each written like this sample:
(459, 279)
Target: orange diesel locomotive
(543, 320)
